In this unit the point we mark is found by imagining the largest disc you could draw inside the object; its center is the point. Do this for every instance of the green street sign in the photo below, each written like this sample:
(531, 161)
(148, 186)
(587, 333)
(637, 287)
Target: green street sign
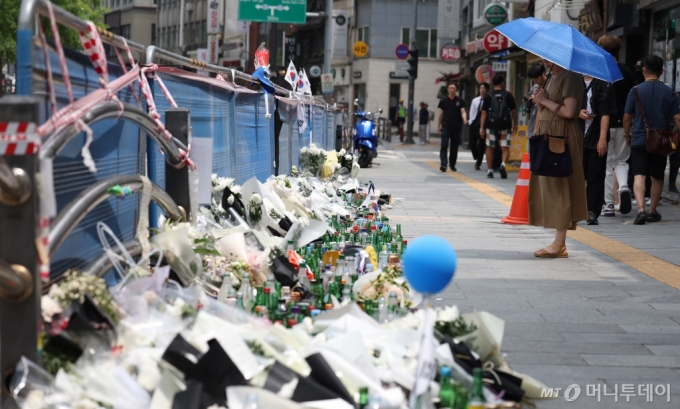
(273, 11)
(495, 14)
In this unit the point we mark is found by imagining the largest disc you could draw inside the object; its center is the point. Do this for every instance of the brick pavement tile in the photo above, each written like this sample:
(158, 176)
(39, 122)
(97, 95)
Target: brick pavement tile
(579, 348)
(647, 339)
(664, 349)
(633, 361)
(546, 358)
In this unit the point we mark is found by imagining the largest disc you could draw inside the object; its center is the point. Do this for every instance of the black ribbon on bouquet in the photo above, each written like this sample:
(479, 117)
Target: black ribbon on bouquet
(497, 380)
(207, 375)
(307, 389)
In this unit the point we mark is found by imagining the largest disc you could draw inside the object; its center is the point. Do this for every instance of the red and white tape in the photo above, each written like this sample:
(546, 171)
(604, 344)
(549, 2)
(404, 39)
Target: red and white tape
(18, 139)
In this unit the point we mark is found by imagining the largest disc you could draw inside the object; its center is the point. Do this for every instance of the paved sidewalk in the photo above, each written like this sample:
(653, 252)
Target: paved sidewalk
(586, 320)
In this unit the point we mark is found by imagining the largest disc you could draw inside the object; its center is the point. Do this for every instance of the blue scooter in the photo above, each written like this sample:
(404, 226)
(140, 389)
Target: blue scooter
(365, 136)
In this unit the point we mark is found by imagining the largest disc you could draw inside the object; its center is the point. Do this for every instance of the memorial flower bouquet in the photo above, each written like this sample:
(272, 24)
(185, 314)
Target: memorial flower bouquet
(377, 284)
(312, 159)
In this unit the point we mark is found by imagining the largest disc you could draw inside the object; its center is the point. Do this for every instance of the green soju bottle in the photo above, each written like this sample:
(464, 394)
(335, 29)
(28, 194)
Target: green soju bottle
(477, 399)
(446, 393)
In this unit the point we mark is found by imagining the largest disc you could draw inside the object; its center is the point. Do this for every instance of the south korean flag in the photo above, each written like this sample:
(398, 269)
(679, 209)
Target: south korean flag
(292, 76)
(302, 120)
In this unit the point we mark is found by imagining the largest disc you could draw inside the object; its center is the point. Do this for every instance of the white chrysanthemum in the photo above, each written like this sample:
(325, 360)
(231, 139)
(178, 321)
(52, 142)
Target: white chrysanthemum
(339, 179)
(304, 221)
(342, 152)
(49, 307)
(314, 151)
(448, 314)
(256, 198)
(223, 183)
(213, 177)
(294, 168)
(348, 157)
(235, 189)
(304, 150)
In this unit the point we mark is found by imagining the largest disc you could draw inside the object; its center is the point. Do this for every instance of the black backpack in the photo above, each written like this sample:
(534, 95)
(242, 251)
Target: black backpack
(499, 112)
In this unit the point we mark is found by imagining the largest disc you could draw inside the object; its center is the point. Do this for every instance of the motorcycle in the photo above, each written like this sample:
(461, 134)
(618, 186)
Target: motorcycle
(365, 136)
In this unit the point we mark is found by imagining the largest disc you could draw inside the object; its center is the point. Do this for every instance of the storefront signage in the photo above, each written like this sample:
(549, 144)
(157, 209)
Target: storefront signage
(356, 74)
(473, 46)
(360, 49)
(450, 53)
(314, 71)
(213, 17)
(495, 41)
(484, 74)
(495, 14)
(213, 49)
(499, 66)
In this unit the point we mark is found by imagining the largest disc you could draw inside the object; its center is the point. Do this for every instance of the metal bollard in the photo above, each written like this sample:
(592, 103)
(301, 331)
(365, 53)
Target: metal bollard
(20, 284)
(177, 122)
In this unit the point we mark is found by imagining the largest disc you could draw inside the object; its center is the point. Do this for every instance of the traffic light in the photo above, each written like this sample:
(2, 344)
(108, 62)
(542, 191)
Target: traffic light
(413, 64)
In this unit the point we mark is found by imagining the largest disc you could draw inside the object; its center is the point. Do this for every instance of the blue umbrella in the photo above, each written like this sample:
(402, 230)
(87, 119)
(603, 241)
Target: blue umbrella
(563, 45)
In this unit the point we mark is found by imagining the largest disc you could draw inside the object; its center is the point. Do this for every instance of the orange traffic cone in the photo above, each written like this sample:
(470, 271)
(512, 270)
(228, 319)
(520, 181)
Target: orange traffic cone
(519, 212)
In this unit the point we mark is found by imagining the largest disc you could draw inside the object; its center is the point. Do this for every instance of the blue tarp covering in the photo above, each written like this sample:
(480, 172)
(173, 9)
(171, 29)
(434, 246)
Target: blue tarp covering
(115, 150)
(243, 145)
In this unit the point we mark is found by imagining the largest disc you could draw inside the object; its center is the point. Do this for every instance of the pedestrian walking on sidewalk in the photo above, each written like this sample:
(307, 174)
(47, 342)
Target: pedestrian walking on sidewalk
(618, 150)
(498, 123)
(400, 118)
(477, 143)
(423, 119)
(651, 104)
(452, 117)
(559, 203)
(598, 107)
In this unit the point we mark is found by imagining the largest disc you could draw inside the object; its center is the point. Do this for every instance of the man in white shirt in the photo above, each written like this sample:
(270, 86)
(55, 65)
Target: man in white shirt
(477, 145)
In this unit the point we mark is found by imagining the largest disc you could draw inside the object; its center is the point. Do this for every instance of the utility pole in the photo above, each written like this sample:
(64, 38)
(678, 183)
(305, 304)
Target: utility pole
(328, 42)
(181, 27)
(413, 73)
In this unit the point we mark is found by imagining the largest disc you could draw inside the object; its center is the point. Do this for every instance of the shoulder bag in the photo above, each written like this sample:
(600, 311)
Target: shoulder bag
(549, 154)
(660, 142)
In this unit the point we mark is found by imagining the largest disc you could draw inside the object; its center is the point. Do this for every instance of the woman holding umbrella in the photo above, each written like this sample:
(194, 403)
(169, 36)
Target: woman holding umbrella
(559, 203)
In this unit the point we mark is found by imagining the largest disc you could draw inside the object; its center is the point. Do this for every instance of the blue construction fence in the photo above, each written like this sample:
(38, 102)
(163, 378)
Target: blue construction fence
(243, 144)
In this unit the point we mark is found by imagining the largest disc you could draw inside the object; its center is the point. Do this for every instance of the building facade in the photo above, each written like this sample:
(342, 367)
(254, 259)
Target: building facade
(384, 24)
(132, 19)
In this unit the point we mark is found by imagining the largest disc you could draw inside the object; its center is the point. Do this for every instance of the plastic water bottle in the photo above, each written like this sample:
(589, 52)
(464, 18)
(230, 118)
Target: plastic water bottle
(302, 276)
(382, 257)
(382, 311)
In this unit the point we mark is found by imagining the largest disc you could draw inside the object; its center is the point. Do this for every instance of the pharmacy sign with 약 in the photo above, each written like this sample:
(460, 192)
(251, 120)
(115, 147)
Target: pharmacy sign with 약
(495, 41)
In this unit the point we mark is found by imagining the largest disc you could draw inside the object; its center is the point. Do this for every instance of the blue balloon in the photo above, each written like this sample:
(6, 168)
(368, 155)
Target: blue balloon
(429, 264)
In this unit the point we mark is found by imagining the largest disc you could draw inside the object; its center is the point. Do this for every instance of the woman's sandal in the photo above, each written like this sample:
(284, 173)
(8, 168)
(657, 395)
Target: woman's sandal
(561, 252)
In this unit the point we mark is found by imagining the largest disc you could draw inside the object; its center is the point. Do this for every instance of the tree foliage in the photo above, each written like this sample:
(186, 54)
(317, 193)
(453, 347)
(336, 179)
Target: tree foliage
(9, 15)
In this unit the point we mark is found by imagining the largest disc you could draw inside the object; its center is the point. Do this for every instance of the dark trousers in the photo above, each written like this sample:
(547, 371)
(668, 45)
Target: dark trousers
(594, 168)
(477, 144)
(449, 136)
